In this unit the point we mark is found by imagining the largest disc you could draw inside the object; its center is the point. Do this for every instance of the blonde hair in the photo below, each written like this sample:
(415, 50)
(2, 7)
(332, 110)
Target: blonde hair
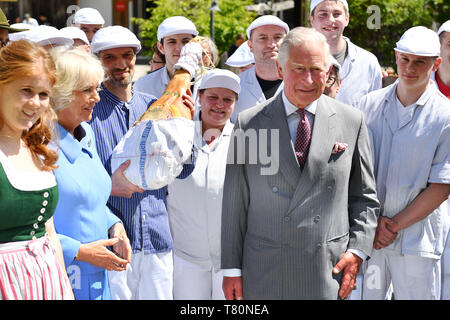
(76, 69)
(20, 59)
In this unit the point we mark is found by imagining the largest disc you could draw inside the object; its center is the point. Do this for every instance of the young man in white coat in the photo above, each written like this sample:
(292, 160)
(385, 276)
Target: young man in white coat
(173, 34)
(408, 123)
(360, 72)
(261, 82)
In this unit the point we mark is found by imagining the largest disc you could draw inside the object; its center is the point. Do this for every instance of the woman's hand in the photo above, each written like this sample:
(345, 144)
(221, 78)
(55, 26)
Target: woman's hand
(123, 247)
(97, 254)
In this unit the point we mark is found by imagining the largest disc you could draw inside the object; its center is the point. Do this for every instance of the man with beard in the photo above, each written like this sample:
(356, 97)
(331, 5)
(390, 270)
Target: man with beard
(143, 213)
(261, 82)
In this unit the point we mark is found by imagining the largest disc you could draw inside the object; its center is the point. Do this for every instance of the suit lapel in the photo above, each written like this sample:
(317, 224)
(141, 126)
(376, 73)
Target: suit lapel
(322, 142)
(276, 119)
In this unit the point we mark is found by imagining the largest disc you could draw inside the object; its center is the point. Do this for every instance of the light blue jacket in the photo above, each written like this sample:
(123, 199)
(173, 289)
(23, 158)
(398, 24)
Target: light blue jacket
(84, 186)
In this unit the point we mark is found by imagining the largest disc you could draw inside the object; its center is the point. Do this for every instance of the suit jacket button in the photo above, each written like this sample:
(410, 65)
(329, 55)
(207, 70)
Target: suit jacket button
(287, 219)
(319, 245)
(316, 219)
(275, 189)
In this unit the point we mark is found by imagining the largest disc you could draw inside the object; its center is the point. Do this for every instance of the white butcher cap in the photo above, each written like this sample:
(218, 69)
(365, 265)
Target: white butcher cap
(88, 16)
(43, 35)
(419, 41)
(220, 78)
(264, 21)
(314, 4)
(176, 25)
(75, 33)
(114, 37)
(444, 28)
(241, 57)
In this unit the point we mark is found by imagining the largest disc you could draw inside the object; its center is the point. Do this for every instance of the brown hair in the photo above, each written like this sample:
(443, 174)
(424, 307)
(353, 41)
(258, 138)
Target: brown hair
(24, 59)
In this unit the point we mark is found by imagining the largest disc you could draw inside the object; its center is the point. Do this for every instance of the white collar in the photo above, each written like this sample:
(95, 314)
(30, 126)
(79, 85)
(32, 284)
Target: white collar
(289, 108)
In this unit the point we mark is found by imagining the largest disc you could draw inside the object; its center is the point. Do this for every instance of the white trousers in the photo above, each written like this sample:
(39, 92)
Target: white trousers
(147, 277)
(194, 282)
(412, 277)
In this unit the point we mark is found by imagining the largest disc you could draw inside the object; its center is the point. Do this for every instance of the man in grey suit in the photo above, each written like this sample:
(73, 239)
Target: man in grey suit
(302, 231)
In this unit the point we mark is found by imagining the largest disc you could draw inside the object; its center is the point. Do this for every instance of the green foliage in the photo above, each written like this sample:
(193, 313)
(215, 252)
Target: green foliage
(232, 19)
(396, 16)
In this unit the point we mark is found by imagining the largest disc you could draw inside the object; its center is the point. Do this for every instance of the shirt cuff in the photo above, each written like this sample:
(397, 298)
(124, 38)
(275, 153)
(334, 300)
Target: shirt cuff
(359, 253)
(232, 272)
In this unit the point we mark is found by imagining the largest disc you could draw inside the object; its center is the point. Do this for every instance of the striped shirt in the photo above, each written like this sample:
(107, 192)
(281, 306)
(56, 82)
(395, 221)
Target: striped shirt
(144, 215)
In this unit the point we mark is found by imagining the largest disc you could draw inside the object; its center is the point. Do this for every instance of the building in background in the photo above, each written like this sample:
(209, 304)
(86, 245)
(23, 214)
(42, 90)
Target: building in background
(59, 13)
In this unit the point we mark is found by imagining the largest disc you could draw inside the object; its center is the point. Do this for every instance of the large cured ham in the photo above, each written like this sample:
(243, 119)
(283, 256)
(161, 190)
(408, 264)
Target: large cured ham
(160, 142)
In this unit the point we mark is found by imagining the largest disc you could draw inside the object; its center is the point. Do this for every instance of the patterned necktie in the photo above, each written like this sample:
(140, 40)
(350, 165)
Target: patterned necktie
(303, 138)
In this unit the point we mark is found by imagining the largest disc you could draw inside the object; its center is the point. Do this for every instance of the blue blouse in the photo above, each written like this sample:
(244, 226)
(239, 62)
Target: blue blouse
(81, 215)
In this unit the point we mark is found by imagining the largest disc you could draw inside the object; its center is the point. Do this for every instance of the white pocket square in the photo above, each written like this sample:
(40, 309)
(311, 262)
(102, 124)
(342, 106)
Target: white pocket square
(339, 147)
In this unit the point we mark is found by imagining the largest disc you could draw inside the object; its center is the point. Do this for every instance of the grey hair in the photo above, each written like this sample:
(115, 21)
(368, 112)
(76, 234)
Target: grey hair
(75, 69)
(300, 35)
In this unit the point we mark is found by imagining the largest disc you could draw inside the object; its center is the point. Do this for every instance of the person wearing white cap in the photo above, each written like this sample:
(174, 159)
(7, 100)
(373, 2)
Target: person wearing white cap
(361, 71)
(442, 75)
(30, 20)
(89, 20)
(143, 213)
(242, 58)
(196, 228)
(80, 40)
(173, 34)
(45, 36)
(261, 82)
(409, 126)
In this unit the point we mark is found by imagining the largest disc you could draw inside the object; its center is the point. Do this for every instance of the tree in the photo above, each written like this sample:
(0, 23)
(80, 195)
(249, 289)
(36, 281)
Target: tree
(232, 19)
(395, 17)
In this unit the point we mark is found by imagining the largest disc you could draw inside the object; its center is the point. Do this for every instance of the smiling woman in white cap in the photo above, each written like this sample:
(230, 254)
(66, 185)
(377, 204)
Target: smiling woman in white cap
(89, 20)
(410, 133)
(173, 34)
(360, 72)
(196, 229)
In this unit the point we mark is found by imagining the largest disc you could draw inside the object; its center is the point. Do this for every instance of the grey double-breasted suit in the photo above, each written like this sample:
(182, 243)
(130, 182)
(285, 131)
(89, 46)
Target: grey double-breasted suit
(286, 230)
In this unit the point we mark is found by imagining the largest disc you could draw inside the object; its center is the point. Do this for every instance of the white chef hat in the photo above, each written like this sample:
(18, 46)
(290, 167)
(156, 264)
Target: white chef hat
(43, 35)
(22, 26)
(221, 78)
(419, 41)
(88, 16)
(266, 20)
(74, 33)
(114, 37)
(314, 4)
(20, 35)
(444, 28)
(176, 25)
(241, 57)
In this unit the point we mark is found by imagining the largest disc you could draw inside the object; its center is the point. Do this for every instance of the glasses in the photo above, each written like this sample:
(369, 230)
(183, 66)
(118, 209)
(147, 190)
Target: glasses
(331, 81)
